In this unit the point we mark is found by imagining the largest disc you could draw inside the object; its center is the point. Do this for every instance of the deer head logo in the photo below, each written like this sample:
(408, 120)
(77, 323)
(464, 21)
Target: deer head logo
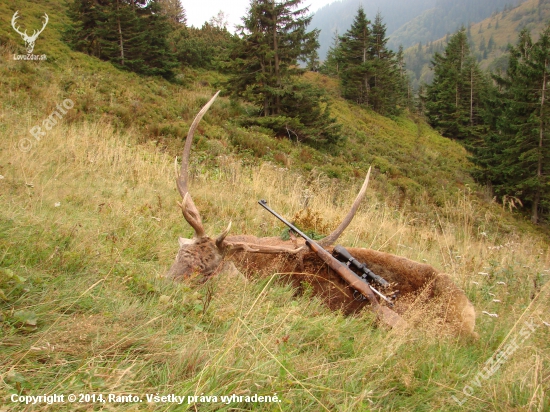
(29, 40)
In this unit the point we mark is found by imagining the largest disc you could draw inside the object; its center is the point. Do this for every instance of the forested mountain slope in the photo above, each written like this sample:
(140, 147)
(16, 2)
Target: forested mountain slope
(408, 22)
(338, 16)
(446, 17)
(489, 39)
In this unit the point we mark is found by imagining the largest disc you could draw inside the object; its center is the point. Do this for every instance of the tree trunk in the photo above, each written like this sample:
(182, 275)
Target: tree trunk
(472, 96)
(276, 58)
(121, 41)
(536, 201)
(266, 102)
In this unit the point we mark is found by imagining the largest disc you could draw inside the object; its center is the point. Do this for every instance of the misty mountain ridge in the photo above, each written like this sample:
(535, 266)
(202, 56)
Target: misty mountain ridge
(338, 16)
(408, 22)
(488, 40)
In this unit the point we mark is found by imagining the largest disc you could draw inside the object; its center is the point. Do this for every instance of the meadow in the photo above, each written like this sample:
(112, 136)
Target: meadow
(89, 224)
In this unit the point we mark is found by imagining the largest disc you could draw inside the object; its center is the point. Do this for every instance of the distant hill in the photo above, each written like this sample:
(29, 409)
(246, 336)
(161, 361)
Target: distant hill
(338, 16)
(408, 22)
(446, 17)
(489, 39)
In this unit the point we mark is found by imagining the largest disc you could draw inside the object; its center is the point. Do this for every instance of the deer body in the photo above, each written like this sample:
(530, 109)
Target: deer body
(417, 283)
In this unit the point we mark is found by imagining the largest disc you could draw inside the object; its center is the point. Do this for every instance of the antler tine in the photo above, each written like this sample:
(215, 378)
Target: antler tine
(330, 239)
(221, 238)
(190, 211)
(13, 19)
(183, 176)
(36, 33)
(192, 215)
(43, 25)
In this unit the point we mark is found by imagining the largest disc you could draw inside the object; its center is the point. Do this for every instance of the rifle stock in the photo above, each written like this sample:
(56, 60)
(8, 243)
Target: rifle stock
(345, 273)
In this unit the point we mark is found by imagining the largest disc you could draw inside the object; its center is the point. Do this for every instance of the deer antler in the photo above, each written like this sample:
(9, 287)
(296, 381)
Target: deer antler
(325, 242)
(192, 215)
(190, 211)
(29, 40)
(330, 239)
(35, 33)
(15, 17)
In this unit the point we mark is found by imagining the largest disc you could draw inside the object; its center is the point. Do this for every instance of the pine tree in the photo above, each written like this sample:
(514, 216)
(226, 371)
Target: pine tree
(264, 68)
(331, 66)
(355, 46)
(455, 97)
(515, 157)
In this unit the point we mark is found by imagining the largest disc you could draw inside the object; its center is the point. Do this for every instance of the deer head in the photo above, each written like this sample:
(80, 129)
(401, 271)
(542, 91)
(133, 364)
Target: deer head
(202, 254)
(29, 40)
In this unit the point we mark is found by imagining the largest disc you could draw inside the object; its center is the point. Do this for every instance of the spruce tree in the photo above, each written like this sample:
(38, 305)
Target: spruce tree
(387, 78)
(331, 65)
(274, 37)
(403, 87)
(455, 97)
(355, 47)
(515, 156)
(158, 58)
(132, 34)
(264, 68)
(207, 47)
(312, 62)
(121, 36)
(82, 35)
(174, 12)
(370, 74)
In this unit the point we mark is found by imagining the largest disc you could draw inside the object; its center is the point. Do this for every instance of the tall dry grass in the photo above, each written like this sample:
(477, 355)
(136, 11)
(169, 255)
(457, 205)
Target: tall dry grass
(90, 222)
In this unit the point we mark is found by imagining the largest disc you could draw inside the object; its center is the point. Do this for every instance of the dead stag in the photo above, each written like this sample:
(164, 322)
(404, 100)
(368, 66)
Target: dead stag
(267, 255)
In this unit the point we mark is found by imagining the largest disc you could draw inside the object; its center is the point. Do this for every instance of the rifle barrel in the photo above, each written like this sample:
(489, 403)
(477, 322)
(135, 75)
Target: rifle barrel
(263, 203)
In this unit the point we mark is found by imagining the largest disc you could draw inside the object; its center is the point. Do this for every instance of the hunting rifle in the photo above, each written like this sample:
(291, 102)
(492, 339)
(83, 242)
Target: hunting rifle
(344, 256)
(387, 315)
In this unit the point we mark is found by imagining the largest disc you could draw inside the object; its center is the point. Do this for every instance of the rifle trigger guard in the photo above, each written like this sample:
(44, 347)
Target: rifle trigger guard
(358, 296)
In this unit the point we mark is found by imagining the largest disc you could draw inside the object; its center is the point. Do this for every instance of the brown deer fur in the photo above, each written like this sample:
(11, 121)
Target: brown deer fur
(416, 282)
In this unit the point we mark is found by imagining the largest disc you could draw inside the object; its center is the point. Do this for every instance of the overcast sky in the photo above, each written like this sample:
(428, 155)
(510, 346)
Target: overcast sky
(199, 11)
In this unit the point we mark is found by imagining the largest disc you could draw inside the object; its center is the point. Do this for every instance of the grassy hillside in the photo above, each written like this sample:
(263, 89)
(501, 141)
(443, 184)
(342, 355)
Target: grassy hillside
(489, 39)
(89, 224)
(504, 28)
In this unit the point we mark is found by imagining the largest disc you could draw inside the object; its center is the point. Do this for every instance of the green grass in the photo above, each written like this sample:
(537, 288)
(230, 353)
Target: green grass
(89, 224)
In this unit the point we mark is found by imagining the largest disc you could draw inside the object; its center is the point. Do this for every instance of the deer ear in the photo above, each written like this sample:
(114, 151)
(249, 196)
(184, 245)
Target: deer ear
(183, 241)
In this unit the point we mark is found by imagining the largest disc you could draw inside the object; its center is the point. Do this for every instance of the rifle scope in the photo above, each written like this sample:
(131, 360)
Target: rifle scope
(351, 261)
